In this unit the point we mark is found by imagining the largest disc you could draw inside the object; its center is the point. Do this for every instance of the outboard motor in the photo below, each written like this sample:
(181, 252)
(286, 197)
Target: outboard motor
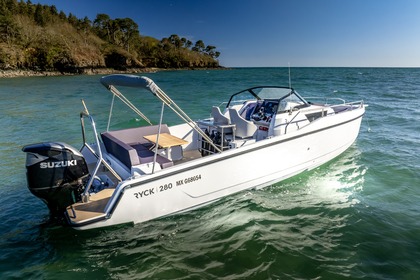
(56, 173)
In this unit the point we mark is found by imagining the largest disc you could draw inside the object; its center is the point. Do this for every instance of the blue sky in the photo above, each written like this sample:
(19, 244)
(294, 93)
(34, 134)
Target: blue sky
(353, 33)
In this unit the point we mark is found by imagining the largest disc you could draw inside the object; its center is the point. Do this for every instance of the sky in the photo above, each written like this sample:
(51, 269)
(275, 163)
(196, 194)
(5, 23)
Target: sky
(277, 33)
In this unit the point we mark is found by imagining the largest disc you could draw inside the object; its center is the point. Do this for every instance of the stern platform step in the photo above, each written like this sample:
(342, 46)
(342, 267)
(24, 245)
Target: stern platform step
(83, 212)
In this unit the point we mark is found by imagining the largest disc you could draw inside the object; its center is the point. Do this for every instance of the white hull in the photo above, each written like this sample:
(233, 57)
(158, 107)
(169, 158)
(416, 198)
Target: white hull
(207, 179)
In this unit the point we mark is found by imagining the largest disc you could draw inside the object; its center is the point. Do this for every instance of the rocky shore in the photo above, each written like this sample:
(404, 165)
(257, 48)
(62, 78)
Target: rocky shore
(90, 71)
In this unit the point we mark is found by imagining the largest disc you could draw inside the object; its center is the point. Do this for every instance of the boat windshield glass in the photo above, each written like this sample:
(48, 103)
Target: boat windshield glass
(261, 93)
(271, 92)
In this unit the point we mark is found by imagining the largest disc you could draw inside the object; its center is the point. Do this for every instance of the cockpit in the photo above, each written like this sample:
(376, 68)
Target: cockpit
(265, 110)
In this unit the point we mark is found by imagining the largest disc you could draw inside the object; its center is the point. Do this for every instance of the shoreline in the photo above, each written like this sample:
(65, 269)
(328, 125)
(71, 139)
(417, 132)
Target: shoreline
(20, 73)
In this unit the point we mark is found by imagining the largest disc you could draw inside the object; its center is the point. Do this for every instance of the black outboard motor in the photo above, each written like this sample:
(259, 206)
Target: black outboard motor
(56, 173)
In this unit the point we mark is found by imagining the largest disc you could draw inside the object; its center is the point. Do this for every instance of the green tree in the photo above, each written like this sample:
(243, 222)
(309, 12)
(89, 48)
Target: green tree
(62, 16)
(9, 31)
(102, 26)
(53, 10)
(211, 51)
(30, 8)
(48, 16)
(128, 30)
(22, 8)
(199, 46)
(8, 6)
(84, 24)
(72, 19)
(166, 44)
(4, 10)
(175, 40)
(39, 15)
(186, 43)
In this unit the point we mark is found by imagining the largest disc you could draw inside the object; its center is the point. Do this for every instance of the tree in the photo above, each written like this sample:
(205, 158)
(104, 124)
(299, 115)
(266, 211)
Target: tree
(8, 7)
(39, 15)
(166, 44)
(46, 11)
(9, 31)
(22, 8)
(84, 24)
(4, 11)
(62, 16)
(199, 46)
(129, 31)
(211, 51)
(53, 10)
(175, 40)
(102, 25)
(187, 43)
(72, 19)
(30, 8)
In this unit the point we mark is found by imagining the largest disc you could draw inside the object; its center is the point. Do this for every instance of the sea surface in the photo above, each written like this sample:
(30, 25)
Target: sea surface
(356, 217)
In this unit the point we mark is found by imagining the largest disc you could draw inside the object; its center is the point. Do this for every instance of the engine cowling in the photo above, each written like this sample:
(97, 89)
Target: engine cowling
(56, 173)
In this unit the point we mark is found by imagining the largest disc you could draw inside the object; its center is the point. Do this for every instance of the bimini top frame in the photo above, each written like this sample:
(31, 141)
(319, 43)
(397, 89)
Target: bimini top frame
(111, 81)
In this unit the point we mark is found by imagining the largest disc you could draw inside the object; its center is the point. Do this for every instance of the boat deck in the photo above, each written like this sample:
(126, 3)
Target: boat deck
(95, 208)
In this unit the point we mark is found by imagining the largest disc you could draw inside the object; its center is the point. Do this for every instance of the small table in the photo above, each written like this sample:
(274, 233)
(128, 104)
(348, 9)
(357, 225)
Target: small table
(166, 141)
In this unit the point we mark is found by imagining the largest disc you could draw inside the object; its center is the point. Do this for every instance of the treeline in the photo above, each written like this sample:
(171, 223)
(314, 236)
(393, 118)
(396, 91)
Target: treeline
(39, 37)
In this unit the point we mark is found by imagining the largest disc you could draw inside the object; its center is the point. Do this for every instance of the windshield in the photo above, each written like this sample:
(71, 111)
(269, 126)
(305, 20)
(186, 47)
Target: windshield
(262, 93)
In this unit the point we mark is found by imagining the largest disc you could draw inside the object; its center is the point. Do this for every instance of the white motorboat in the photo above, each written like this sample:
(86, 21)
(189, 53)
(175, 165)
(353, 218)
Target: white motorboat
(262, 135)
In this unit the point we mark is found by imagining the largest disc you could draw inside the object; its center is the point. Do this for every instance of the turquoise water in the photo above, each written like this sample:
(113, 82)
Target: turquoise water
(357, 217)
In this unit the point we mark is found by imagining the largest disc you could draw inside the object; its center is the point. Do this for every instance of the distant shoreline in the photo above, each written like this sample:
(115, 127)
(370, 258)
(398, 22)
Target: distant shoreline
(18, 73)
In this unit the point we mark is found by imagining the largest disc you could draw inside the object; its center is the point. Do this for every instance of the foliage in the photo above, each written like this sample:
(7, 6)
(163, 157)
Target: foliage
(39, 37)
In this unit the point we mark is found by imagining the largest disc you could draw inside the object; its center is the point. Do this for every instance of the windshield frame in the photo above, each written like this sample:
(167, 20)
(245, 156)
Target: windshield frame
(260, 93)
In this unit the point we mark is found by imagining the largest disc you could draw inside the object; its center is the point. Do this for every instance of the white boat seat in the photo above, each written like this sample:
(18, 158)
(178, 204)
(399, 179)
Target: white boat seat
(218, 117)
(246, 111)
(244, 128)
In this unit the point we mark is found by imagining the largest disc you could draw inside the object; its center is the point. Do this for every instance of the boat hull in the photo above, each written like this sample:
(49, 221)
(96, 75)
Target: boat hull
(196, 183)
